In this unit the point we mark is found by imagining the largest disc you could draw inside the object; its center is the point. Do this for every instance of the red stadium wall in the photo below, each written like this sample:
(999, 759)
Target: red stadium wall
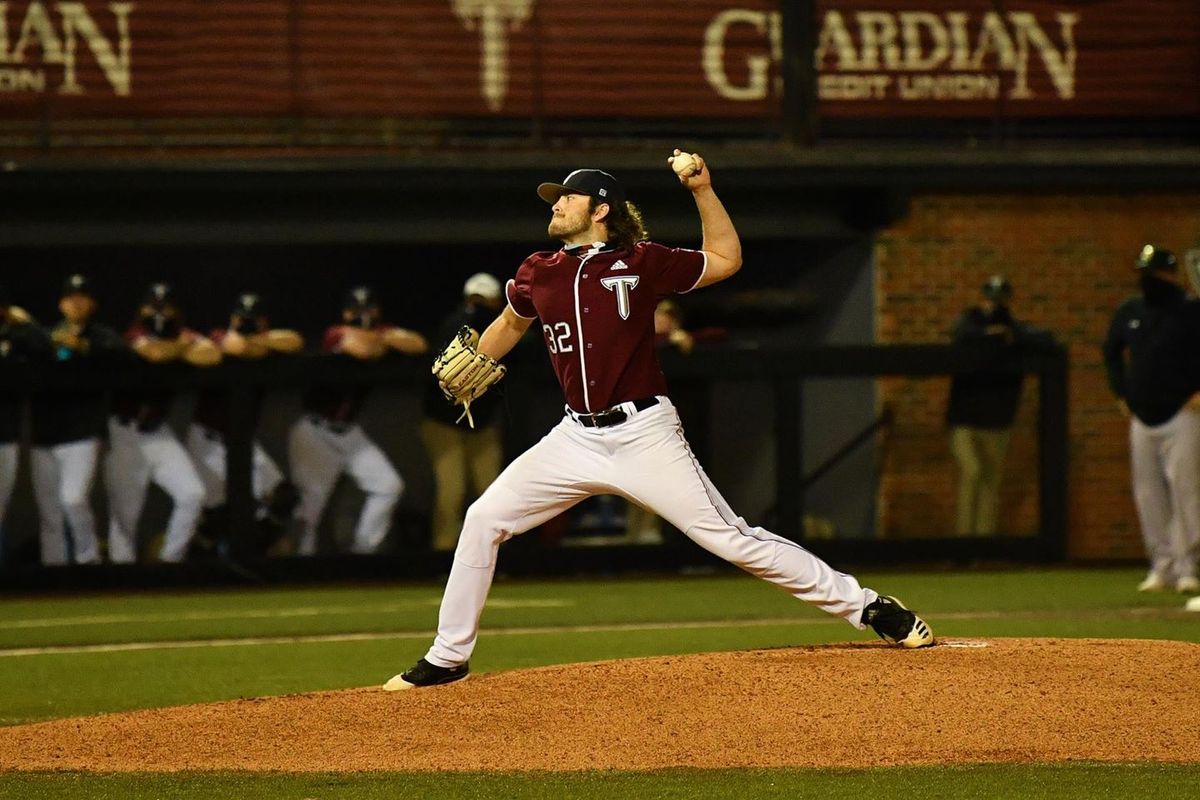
(1070, 260)
(280, 72)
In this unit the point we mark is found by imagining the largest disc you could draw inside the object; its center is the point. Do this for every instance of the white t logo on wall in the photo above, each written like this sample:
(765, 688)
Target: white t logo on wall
(622, 285)
(489, 17)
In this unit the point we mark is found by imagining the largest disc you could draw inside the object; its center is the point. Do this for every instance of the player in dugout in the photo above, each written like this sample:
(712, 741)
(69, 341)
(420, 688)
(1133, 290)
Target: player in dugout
(68, 426)
(22, 340)
(142, 446)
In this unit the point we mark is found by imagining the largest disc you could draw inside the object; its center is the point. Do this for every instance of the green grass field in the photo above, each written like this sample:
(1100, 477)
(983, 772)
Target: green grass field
(72, 656)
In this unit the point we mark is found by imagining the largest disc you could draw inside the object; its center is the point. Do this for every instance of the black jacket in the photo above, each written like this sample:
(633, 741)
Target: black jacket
(1162, 340)
(69, 415)
(19, 342)
(437, 407)
(988, 397)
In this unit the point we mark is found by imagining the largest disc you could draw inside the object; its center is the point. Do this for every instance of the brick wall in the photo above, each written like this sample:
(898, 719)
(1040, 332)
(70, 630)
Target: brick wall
(1069, 258)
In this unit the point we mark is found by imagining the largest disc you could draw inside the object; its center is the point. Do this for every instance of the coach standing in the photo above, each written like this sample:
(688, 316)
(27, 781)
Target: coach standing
(1153, 368)
(67, 427)
(462, 454)
(982, 406)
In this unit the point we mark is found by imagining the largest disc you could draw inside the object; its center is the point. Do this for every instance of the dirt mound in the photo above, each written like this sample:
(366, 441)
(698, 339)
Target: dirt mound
(968, 701)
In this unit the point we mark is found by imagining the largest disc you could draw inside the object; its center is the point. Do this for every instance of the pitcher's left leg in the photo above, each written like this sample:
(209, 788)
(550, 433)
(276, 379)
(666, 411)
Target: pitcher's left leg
(657, 468)
(544, 481)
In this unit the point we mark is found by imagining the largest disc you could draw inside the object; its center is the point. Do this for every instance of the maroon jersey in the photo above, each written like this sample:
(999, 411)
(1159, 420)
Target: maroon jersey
(596, 305)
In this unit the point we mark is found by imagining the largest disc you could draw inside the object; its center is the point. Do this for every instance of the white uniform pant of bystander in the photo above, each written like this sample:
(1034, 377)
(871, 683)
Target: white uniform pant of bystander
(62, 485)
(134, 459)
(647, 460)
(8, 476)
(207, 448)
(1166, 487)
(318, 454)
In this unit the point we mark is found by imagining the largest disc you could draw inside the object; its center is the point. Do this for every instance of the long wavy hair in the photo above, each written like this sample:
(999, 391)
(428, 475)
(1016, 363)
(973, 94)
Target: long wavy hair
(625, 226)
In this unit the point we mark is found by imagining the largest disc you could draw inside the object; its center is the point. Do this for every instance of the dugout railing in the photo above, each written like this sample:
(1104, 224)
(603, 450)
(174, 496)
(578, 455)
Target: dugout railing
(788, 368)
(784, 368)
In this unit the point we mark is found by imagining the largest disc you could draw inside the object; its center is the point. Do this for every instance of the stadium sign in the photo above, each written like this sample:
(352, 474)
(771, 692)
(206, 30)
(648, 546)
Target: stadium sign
(905, 55)
(226, 60)
(34, 35)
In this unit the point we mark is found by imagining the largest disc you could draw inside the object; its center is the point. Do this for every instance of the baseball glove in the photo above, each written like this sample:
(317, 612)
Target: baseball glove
(463, 373)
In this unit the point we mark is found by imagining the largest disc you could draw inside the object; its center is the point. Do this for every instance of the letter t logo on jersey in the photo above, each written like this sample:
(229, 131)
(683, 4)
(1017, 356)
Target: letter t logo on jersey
(622, 286)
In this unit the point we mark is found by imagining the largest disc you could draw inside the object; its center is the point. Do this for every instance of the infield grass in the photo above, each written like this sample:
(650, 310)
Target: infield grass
(64, 656)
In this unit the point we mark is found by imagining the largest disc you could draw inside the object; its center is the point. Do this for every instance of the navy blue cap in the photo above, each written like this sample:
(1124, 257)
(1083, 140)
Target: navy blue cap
(1155, 259)
(592, 182)
(359, 298)
(997, 287)
(159, 295)
(249, 304)
(77, 284)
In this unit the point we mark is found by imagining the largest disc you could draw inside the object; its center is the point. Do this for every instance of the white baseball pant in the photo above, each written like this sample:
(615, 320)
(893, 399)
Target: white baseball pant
(134, 459)
(8, 477)
(318, 454)
(62, 485)
(207, 449)
(648, 461)
(1166, 488)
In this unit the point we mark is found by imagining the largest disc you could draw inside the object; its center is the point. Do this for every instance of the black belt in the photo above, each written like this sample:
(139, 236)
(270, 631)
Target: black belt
(612, 416)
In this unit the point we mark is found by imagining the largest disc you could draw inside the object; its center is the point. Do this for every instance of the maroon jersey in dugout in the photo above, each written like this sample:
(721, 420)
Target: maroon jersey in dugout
(596, 305)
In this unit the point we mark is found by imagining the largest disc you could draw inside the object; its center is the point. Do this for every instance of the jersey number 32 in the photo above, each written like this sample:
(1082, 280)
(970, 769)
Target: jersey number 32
(558, 338)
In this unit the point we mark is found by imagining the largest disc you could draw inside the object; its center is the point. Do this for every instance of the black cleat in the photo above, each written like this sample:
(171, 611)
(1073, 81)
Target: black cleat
(425, 674)
(894, 623)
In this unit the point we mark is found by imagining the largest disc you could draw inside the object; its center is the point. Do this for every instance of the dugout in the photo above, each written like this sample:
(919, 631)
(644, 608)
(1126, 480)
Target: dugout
(803, 306)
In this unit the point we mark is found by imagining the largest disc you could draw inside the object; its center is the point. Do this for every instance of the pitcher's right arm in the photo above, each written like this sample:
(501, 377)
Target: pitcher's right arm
(503, 334)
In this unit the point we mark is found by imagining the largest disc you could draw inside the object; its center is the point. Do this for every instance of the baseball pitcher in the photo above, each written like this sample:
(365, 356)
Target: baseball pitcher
(594, 300)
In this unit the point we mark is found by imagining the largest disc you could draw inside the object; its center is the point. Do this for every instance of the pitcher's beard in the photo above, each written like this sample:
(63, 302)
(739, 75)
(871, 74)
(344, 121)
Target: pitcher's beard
(563, 228)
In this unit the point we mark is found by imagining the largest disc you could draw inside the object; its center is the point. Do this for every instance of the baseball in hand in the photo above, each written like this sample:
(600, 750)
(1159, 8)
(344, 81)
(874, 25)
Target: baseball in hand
(684, 164)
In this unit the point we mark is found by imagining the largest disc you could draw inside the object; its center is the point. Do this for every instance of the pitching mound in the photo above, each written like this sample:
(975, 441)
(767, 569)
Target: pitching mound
(969, 701)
